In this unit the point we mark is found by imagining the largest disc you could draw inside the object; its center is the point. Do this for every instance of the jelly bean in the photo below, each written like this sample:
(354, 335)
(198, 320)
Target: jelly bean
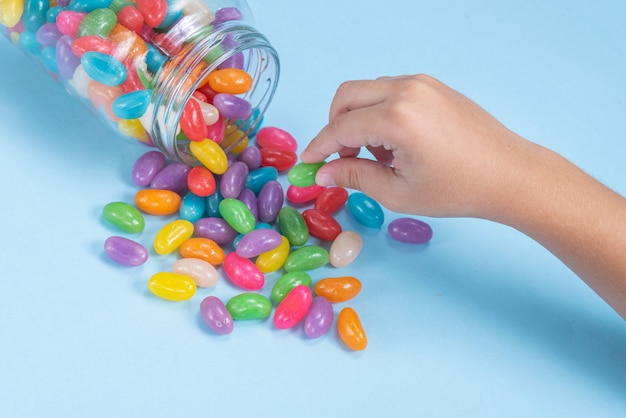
(272, 260)
(366, 210)
(133, 83)
(147, 166)
(287, 282)
(276, 138)
(258, 241)
(204, 249)
(216, 316)
(103, 68)
(48, 34)
(227, 14)
(410, 230)
(303, 174)
(53, 13)
(48, 57)
(131, 18)
(270, 201)
(210, 154)
(124, 216)
(157, 202)
(247, 306)
(125, 251)
(234, 61)
(92, 43)
(202, 272)
(216, 130)
(345, 248)
(172, 177)
(248, 197)
(234, 140)
(297, 194)
(232, 107)
(28, 42)
(102, 97)
(192, 121)
(279, 159)
(11, 12)
(237, 214)
(243, 272)
(331, 199)
(259, 225)
(230, 80)
(251, 156)
(210, 114)
(338, 289)
(319, 319)
(67, 62)
(293, 308)
(213, 202)
(201, 181)
(99, 22)
(134, 129)
(216, 229)
(234, 179)
(34, 14)
(321, 225)
(155, 60)
(257, 178)
(308, 257)
(67, 22)
(132, 105)
(172, 235)
(293, 226)
(192, 207)
(153, 11)
(172, 286)
(350, 329)
(88, 5)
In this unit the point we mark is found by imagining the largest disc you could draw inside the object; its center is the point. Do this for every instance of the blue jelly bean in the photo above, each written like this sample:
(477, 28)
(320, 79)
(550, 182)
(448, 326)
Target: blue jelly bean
(49, 58)
(132, 105)
(213, 203)
(245, 124)
(67, 62)
(174, 13)
(104, 68)
(366, 210)
(154, 59)
(89, 5)
(53, 12)
(28, 42)
(257, 178)
(192, 207)
(35, 14)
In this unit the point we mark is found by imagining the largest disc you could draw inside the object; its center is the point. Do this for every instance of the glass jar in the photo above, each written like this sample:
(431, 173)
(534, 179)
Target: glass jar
(164, 72)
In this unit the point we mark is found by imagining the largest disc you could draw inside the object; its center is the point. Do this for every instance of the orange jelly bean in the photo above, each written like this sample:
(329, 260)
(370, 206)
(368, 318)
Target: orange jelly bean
(203, 248)
(157, 201)
(230, 80)
(338, 289)
(350, 329)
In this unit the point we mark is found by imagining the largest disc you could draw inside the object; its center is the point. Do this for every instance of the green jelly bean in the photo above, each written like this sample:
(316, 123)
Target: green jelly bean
(308, 257)
(293, 226)
(117, 5)
(99, 22)
(303, 174)
(249, 306)
(237, 215)
(287, 282)
(124, 216)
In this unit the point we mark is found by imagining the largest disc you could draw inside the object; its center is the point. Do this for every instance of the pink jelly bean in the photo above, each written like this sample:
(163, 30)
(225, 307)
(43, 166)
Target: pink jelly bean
(131, 18)
(233, 179)
(192, 121)
(270, 201)
(172, 177)
(293, 308)
(318, 320)
(243, 272)
(216, 131)
(68, 21)
(147, 166)
(232, 107)
(125, 251)
(216, 229)
(410, 230)
(276, 138)
(92, 43)
(258, 241)
(153, 11)
(216, 316)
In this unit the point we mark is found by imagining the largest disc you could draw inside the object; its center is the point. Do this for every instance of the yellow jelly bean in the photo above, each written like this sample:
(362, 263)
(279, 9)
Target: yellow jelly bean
(172, 286)
(274, 259)
(172, 235)
(231, 135)
(11, 12)
(211, 155)
(133, 128)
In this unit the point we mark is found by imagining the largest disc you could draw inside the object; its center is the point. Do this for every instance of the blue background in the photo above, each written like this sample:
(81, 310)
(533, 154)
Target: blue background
(481, 322)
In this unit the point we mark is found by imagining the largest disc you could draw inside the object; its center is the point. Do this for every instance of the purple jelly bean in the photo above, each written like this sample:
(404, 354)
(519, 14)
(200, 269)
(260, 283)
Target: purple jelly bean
(258, 241)
(251, 156)
(226, 14)
(248, 197)
(410, 230)
(216, 229)
(235, 61)
(125, 251)
(270, 200)
(233, 180)
(232, 107)
(318, 320)
(48, 34)
(66, 60)
(216, 316)
(147, 167)
(172, 177)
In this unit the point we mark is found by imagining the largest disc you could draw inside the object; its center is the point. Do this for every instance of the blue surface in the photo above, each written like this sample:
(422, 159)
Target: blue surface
(481, 322)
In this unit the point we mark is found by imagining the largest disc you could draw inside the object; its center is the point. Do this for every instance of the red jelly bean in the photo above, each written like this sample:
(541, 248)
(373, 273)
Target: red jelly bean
(92, 43)
(321, 224)
(272, 137)
(201, 181)
(130, 18)
(281, 160)
(306, 194)
(331, 199)
(192, 122)
(294, 307)
(243, 272)
(153, 11)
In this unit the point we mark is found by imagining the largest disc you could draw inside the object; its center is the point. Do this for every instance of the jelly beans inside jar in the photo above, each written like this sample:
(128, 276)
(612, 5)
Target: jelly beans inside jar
(164, 72)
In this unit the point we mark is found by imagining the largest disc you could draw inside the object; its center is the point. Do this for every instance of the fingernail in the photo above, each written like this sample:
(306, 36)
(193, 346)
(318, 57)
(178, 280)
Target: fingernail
(324, 179)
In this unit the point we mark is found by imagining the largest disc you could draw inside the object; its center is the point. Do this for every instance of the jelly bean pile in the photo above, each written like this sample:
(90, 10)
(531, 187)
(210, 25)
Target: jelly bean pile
(230, 217)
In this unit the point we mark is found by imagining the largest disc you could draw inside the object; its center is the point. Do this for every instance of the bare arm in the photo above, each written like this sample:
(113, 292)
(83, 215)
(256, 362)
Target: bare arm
(439, 154)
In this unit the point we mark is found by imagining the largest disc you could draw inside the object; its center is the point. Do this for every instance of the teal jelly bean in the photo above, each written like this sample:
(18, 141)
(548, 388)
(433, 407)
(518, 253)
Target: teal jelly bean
(53, 12)
(257, 178)
(124, 216)
(303, 174)
(87, 6)
(293, 226)
(237, 215)
(192, 207)
(132, 105)
(249, 305)
(213, 202)
(99, 22)
(49, 58)
(35, 14)
(366, 210)
(174, 12)
(154, 59)
(287, 282)
(104, 68)
(308, 257)
(28, 42)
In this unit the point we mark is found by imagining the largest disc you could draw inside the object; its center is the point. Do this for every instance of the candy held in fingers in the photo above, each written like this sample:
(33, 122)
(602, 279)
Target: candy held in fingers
(303, 174)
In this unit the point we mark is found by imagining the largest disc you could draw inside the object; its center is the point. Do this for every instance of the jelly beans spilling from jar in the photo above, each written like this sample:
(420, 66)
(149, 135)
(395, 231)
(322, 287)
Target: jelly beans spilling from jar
(230, 217)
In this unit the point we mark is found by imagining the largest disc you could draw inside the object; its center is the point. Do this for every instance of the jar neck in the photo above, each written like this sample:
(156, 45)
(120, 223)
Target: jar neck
(185, 71)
